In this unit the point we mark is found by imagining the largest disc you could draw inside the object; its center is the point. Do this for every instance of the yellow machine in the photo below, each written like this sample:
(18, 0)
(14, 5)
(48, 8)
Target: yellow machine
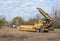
(41, 25)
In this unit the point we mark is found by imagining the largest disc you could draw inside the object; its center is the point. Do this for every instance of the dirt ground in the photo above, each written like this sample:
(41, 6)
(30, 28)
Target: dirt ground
(12, 34)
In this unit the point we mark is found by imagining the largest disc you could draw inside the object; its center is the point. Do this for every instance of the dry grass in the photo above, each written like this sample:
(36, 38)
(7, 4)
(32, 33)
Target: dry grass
(12, 34)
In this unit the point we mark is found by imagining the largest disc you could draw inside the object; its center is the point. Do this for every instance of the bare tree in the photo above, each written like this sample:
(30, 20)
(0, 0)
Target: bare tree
(56, 13)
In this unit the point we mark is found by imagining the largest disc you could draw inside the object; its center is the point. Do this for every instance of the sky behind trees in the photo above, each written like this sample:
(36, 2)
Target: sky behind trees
(26, 8)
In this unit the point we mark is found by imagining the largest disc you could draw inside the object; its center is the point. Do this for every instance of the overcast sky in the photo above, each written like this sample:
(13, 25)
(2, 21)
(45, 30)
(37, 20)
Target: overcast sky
(26, 8)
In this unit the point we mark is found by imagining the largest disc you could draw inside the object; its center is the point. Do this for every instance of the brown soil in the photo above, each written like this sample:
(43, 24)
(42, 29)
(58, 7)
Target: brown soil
(12, 34)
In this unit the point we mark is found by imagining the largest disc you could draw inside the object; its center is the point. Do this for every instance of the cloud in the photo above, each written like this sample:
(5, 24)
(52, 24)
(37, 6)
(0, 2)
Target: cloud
(40, 1)
(23, 8)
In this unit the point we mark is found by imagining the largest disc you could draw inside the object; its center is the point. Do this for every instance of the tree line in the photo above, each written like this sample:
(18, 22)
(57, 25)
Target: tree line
(20, 21)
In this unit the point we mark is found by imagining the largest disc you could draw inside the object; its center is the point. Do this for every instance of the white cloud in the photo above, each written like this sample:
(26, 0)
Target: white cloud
(18, 7)
(40, 1)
